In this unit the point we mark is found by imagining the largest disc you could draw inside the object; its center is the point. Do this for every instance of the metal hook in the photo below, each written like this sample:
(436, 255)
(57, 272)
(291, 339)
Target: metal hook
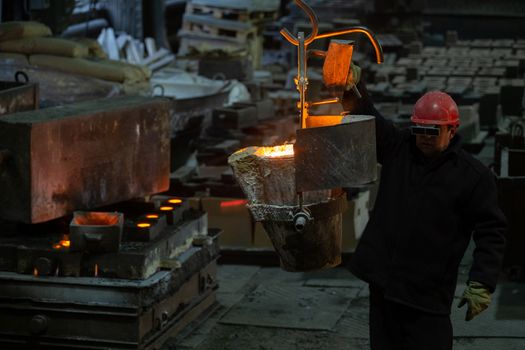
(18, 74)
(516, 130)
(157, 86)
(218, 76)
(313, 20)
(315, 32)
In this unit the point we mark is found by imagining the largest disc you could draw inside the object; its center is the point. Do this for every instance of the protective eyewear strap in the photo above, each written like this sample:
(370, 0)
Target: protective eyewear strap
(425, 130)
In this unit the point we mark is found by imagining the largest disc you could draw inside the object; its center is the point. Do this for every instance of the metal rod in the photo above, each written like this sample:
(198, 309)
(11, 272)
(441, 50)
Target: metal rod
(356, 91)
(313, 20)
(316, 53)
(303, 54)
(302, 80)
(324, 102)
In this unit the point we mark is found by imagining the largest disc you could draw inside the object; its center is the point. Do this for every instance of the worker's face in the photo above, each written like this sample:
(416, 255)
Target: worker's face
(432, 146)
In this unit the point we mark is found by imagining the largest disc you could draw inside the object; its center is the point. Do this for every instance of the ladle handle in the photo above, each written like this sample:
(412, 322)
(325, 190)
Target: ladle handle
(358, 29)
(313, 20)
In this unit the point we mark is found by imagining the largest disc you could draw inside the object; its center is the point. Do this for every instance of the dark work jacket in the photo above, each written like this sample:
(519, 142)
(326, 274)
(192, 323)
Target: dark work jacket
(425, 213)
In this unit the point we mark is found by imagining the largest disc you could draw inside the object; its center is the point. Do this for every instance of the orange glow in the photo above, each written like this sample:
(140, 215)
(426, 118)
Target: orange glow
(152, 216)
(96, 219)
(275, 151)
(175, 201)
(323, 120)
(35, 272)
(63, 243)
(143, 224)
(166, 208)
(96, 270)
(234, 203)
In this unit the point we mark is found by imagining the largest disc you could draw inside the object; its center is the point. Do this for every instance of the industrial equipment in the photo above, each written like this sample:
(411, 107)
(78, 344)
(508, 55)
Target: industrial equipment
(293, 189)
(92, 256)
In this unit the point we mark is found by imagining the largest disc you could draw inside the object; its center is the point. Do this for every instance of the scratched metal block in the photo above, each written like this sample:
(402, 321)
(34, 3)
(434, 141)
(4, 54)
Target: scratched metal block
(81, 156)
(336, 156)
(17, 97)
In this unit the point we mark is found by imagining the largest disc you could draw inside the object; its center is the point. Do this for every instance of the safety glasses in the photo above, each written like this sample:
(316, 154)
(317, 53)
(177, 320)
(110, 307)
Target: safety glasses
(430, 130)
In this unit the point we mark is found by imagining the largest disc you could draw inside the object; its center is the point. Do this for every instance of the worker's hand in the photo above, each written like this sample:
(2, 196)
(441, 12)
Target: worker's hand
(354, 76)
(477, 297)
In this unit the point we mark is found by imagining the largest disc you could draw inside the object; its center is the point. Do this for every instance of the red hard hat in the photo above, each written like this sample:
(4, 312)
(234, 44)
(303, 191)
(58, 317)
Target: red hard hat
(435, 107)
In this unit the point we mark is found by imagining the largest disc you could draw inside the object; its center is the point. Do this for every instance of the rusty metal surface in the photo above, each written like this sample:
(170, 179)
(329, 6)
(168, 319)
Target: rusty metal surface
(149, 233)
(59, 88)
(317, 246)
(102, 313)
(17, 97)
(96, 236)
(134, 260)
(83, 156)
(324, 209)
(336, 67)
(336, 156)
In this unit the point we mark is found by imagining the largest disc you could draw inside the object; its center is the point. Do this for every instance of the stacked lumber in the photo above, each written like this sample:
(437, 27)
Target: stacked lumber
(231, 26)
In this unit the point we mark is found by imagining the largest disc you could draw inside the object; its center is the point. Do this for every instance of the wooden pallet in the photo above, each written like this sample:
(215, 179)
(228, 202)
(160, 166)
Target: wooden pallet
(193, 43)
(243, 15)
(219, 28)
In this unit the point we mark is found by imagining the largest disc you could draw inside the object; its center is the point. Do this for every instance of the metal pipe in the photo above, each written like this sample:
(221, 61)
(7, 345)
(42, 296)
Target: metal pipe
(301, 219)
(289, 36)
(303, 54)
(316, 53)
(313, 20)
(302, 80)
(324, 102)
(358, 29)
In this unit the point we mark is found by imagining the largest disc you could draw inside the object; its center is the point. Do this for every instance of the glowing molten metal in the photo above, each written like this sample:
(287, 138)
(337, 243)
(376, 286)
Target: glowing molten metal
(96, 219)
(275, 151)
(63, 243)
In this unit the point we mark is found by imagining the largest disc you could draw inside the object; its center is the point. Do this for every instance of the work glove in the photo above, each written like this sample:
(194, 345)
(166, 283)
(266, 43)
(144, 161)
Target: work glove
(477, 297)
(354, 76)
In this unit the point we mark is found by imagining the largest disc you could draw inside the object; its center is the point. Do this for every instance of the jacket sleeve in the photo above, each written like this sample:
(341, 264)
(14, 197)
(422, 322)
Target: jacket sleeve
(387, 134)
(489, 225)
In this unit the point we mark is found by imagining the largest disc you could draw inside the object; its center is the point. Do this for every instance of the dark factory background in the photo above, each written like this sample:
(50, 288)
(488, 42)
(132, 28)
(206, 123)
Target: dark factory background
(124, 222)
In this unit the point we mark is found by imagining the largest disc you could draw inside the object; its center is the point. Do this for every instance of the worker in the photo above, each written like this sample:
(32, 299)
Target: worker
(432, 198)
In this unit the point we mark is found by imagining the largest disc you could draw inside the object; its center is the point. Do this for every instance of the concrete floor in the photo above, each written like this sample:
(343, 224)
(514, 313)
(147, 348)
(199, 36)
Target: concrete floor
(267, 308)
